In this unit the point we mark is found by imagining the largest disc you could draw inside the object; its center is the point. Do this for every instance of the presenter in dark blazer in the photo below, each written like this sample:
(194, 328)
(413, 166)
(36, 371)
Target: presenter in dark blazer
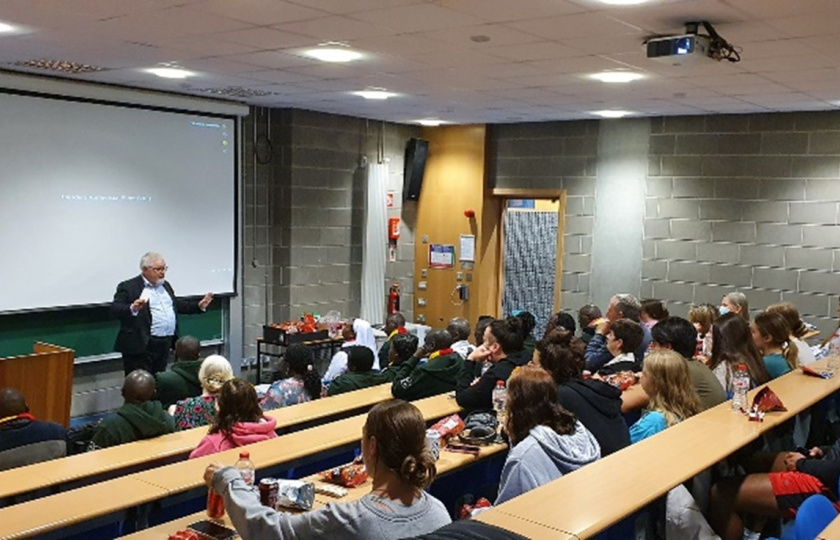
(147, 308)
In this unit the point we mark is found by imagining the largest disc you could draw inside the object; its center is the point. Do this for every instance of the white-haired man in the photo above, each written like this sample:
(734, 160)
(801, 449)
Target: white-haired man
(147, 308)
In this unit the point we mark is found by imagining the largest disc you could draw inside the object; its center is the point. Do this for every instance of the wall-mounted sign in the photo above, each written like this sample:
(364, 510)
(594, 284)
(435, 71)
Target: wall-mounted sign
(441, 256)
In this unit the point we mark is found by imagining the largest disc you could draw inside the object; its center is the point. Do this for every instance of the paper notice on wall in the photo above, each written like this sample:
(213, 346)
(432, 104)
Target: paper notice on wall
(467, 248)
(441, 256)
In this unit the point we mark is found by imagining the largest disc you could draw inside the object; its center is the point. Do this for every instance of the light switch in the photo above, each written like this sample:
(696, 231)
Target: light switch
(421, 285)
(421, 302)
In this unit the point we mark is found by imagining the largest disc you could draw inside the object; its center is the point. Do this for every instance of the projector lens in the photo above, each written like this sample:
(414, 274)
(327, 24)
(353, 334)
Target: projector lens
(684, 45)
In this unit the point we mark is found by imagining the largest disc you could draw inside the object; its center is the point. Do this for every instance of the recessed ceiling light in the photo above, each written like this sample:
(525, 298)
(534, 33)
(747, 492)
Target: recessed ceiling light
(170, 72)
(612, 113)
(623, 2)
(430, 122)
(6, 28)
(334, 52)
(616, 76)
(374, 93)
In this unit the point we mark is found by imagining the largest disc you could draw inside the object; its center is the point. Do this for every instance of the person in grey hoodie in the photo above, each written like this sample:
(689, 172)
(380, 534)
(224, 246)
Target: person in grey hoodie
(547, 440)
(395, 455)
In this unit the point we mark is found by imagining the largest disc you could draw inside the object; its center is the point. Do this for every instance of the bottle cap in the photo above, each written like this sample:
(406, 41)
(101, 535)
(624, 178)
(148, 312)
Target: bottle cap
(500, 383)
(244, 455)
(742, 367)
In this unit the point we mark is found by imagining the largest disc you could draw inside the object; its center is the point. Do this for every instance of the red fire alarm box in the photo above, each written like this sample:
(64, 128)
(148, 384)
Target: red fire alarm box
(394, 228)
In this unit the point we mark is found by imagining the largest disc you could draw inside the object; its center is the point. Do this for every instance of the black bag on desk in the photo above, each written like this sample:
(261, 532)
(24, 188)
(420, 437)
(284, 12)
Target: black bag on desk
(78, 439)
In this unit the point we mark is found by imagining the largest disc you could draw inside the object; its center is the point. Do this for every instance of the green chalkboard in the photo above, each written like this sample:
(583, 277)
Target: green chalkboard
(91, 330)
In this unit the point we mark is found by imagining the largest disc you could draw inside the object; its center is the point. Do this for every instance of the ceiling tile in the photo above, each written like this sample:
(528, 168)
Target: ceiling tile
(499, 36)
(261, 12)
(507, 11)
(417, 18)
(543, 50)
(266, 38)
(335, 28)
(584, 25)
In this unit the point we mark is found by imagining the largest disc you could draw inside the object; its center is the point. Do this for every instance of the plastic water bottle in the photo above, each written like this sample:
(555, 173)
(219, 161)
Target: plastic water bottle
(500, 402)
(740, 387)
(245, 467)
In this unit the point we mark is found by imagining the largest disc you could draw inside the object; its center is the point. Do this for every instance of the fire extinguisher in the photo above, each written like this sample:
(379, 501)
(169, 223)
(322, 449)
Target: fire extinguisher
(394, 299)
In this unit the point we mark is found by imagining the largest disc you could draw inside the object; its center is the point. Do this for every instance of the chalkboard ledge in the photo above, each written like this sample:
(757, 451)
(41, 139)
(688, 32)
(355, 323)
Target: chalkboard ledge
(115, 355)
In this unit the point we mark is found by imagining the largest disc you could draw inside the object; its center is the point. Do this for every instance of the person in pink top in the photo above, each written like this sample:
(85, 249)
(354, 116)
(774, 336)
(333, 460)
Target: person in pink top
(239, 420)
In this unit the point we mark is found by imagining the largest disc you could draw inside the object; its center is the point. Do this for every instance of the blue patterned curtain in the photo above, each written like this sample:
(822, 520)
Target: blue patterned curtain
(530, 262)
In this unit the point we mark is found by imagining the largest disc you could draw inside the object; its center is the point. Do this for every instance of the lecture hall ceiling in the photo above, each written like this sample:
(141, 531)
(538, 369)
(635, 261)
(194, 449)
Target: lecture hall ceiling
(461, 61)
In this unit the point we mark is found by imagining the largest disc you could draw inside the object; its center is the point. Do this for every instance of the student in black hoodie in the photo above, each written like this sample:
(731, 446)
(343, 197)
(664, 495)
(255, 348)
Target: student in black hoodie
(595, 403)
(503, 348)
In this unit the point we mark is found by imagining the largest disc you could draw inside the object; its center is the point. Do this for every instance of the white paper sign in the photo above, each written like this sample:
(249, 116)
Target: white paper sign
(467, 248)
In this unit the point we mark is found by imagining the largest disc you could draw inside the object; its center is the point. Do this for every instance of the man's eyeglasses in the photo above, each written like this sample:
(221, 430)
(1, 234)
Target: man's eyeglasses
(159, 268)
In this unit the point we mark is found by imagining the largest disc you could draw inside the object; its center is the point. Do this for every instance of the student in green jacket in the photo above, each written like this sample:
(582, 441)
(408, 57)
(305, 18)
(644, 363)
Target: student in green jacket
(432, 370)
(181, 380)
(359, 374)
(139, 418)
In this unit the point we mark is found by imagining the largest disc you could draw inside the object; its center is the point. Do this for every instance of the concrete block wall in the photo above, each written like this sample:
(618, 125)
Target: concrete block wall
(555, 155)
(745, 202)
(305, 253)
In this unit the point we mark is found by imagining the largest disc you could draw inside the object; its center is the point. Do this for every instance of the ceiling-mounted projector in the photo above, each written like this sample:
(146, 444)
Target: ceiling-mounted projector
(678, 50)
(691, 46)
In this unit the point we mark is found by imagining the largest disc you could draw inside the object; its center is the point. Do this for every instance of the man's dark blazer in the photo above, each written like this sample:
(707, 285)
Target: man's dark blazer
(135, 331)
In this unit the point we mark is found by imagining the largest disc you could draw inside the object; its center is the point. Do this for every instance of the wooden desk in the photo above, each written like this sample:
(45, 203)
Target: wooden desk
(832, 532)
(172, 446)
(82, 504)
(448, 462)
(63, 509)
(602, 493)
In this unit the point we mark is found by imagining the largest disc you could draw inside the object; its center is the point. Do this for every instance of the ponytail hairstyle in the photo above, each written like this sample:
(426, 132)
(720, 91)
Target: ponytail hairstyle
(672, 394)
(532, 402)
(215, 371)
(237, 402)
(561, 354)
(400, 432)
(299, 359)
(774, 327)
(791, 315)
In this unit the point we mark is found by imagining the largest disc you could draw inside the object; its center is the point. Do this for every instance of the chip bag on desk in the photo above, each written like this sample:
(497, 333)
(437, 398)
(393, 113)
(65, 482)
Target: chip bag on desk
(350, 475)
(449, 426)
(766, 400)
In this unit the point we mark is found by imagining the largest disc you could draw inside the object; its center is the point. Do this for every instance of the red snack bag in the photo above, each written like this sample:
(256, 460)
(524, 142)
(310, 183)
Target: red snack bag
(767, 400)
(449, 426)
(351, 475)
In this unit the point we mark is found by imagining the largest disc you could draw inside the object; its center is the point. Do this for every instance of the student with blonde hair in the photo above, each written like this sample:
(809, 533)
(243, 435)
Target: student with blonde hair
(201, 410)
(771, 334)
(666, 381)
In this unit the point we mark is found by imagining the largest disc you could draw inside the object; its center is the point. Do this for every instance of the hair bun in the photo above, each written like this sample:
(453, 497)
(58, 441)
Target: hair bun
(418, 472)
(559, 336)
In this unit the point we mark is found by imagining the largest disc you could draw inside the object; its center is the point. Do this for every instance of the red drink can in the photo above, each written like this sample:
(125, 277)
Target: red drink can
(269, 488)
(215, 505)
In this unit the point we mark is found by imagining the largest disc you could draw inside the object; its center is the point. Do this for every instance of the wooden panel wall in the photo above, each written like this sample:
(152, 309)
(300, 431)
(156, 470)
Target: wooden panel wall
(45, 378)
(453, 183)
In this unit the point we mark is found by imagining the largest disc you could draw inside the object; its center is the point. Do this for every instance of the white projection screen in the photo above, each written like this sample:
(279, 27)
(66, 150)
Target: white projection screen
(86, 188)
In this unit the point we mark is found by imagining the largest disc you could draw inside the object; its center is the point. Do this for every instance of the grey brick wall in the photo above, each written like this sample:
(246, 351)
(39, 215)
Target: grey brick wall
(555, 155)
(746, 202)
(303, 228)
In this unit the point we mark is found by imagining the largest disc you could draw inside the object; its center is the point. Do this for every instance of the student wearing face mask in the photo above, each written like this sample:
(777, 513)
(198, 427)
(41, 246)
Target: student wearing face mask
(735, 302)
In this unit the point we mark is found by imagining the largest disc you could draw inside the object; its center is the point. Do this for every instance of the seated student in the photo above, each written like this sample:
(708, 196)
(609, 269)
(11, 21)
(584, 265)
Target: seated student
(623, 339)
(622, 306)
(652, 312)
(403, 347)
(23, 439)
(777, 492)
(732, 345)
(395, 455)
(358, 333)
(798, 328)
(181, 380)
(302, 384)
(529, 322)
(138, 418)
(735, 302)
(240, 420)
(595, 403)
(503, 349)
(360, 372)
(666, 381)
(394, 325)
(702, 316)
(562, 320)
(588, 317)
(771, 334)
(201, 410)
(478, 337)
(459, 329)
(679, 335)
(547, 442)
(415, 379)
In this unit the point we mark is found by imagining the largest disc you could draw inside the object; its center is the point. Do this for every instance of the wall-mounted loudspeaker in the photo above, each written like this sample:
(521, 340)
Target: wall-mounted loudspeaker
(416, 151)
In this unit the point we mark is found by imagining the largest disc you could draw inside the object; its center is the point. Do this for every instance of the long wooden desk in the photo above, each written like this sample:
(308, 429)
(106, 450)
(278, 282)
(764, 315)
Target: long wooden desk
(62, 509)
(832, 532)
(589, 500)
(109, 461)
(448, 462)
